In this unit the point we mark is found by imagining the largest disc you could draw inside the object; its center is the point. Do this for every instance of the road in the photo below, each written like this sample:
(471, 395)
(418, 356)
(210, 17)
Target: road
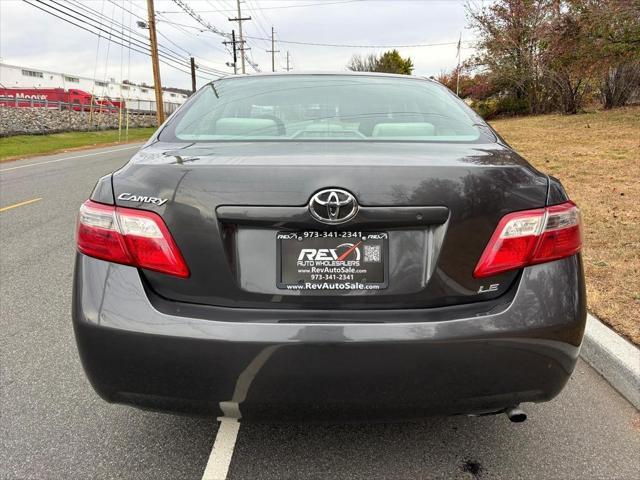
(53, 426)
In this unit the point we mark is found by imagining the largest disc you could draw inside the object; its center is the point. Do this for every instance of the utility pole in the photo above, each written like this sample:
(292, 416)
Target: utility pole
(235, 55)
(193, 74)
(273, 50)
(288, 68)
(153, 39)
(235, 52)
(240, 19)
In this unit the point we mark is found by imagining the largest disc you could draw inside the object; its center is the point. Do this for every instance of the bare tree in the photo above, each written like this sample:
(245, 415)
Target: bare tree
(620, 84)
(363, 63)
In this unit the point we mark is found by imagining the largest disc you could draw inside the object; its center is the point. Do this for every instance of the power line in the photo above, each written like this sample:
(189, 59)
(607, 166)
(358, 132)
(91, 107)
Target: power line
(95, 66)
(115, 39)
(342, 45)
(193, 14)
(259, 24)
(180, 28)
(216, 10)
(208, 26)
(106, 57)
(141, 42)
(260, 13)
(225, 43)
(143, 38)
(161, 46)
(166, 21)
(337, 45)
(259, 17)
(280, 7)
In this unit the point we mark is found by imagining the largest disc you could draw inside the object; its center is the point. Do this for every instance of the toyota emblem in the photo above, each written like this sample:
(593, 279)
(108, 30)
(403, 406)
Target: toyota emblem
(333, 206)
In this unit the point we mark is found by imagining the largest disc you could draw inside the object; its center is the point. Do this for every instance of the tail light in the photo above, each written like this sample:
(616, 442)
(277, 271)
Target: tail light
(531, 237)
(131, 237)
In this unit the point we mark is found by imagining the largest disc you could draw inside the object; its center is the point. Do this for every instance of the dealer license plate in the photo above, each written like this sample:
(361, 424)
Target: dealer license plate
(319, 260)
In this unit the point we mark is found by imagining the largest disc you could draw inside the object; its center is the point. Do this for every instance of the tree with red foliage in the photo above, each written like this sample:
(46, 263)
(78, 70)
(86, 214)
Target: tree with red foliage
(542, 55)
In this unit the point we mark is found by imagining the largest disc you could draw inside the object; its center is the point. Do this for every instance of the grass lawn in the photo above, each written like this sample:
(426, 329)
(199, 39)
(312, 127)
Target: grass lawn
(596, 156)
(28, 145)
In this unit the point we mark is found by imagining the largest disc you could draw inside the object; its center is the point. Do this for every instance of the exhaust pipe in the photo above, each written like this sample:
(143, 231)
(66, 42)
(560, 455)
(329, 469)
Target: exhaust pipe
(515, 414)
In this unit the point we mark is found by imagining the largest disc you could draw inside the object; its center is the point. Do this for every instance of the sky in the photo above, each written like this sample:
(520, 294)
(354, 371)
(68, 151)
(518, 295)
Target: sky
(32, 38)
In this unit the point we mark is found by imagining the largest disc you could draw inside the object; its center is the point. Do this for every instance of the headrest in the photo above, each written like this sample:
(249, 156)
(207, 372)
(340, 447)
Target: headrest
(247, 127)
(413, 129)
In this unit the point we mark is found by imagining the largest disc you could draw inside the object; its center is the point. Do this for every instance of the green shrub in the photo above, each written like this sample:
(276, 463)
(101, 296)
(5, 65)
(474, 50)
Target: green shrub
(503, 106)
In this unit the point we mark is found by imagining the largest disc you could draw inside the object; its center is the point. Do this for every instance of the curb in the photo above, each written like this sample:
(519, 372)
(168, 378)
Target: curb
(615, 358)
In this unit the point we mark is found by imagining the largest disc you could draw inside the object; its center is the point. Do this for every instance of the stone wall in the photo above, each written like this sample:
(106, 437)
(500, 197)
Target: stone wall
(27, 120)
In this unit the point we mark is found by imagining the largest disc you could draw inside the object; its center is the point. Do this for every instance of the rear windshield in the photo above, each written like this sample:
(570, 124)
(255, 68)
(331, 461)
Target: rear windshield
(325, 107)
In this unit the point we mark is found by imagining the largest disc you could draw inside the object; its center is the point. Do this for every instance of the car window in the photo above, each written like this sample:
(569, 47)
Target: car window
(324, 107)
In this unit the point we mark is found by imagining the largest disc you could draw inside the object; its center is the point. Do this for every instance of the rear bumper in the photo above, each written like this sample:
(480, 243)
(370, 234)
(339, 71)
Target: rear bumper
(299, 367)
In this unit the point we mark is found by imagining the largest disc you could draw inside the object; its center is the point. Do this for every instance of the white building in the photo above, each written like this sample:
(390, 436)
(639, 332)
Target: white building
(13, 76)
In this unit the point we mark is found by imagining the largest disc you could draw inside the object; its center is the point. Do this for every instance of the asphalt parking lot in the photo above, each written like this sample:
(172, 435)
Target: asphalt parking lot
(53, 426)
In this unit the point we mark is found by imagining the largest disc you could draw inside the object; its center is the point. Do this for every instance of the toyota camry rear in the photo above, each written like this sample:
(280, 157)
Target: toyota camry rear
(328, 246)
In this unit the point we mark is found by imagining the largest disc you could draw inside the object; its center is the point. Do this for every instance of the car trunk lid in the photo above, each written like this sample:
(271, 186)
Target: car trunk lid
(226, 203)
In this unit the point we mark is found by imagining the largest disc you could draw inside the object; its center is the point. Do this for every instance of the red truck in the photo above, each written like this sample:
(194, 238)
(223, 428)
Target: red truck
(73, 99)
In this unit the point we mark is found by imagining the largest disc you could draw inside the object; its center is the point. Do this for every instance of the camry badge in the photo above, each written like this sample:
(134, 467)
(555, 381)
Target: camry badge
(129, 197)
(333, 206)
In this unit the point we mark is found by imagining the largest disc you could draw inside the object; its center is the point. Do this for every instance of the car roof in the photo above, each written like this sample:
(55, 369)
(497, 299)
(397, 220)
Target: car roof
(328, 73)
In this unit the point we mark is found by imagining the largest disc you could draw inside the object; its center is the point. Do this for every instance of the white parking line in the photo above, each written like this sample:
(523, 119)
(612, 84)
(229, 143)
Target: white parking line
(222, 452)
(69, 158)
